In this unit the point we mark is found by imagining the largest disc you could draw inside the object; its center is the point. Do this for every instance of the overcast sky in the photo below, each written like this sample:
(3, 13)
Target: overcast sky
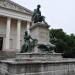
(58, 13)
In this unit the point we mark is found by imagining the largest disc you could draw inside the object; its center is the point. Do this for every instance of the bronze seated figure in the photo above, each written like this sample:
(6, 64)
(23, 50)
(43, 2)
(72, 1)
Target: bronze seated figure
(37, 17)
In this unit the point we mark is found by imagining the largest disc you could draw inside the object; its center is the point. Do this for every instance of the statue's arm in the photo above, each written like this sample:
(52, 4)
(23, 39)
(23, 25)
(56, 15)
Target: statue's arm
(31, 38)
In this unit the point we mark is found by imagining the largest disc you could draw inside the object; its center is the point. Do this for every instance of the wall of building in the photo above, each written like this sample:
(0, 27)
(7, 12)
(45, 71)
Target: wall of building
(3, 29)
(13, 32)
(23, 29)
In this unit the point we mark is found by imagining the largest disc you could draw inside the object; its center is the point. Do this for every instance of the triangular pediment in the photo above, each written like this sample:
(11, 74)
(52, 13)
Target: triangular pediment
(14, 6)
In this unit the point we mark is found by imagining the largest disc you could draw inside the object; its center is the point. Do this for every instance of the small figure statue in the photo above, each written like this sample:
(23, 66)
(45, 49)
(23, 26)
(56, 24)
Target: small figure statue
(28, 45)
(37, 17)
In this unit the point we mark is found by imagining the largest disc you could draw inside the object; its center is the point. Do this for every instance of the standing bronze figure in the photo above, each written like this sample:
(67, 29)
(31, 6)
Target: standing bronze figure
(28, 44)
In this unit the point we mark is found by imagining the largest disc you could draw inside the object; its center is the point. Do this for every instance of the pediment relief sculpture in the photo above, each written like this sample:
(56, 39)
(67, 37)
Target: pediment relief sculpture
(11, 5)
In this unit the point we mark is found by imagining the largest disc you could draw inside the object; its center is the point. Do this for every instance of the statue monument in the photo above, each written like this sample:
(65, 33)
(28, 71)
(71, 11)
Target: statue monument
(33, 59)
(40, 31)
(36, 16)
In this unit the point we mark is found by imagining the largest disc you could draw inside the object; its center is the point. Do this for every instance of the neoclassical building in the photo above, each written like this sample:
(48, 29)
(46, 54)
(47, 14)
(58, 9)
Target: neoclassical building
(14, 20)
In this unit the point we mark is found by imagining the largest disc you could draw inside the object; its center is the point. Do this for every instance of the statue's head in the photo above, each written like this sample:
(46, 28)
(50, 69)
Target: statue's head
(38, 6)
(26, 33)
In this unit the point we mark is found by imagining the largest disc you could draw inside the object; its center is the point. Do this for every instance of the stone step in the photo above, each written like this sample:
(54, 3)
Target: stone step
(7, 54)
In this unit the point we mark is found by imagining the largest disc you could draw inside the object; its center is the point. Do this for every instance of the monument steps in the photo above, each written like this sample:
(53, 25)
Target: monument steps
(7, 54)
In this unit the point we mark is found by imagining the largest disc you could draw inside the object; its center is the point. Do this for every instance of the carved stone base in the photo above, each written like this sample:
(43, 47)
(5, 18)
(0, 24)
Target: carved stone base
(40, 32)
(37, 57)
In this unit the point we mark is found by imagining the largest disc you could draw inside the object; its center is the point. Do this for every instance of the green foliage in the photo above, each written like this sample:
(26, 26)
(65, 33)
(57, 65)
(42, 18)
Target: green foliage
(64, 43)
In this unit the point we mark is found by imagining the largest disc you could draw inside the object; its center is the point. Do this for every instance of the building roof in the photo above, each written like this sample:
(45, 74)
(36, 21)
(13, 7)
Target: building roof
(14, 6)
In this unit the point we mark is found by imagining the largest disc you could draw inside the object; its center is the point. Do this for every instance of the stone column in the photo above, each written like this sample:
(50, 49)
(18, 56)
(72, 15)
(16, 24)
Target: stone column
(18, 34)
(28, 27)
(8, 33)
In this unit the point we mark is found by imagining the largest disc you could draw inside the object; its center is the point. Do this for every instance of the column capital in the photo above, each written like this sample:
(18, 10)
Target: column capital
(28, 22)
(8, 17)
(19, 20)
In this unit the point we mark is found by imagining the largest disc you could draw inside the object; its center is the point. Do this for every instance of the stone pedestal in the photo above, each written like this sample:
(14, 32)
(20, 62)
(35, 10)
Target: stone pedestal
(25, 57)
(38, 56)
(40, 31)
(37, 67)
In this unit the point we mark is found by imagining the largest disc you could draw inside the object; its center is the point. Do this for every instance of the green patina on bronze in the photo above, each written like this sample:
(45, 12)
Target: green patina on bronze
(36, 16)
(29, 43)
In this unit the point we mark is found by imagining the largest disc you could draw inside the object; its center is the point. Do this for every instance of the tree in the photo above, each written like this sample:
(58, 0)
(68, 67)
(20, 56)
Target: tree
(56, 38)
(64, 43)
(70, 52)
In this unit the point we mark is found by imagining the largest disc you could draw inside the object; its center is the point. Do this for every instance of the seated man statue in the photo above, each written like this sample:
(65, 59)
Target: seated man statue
(28, 45)
(36, 17)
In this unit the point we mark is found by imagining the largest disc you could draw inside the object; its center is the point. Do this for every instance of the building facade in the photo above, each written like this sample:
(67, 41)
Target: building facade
(14, 21)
